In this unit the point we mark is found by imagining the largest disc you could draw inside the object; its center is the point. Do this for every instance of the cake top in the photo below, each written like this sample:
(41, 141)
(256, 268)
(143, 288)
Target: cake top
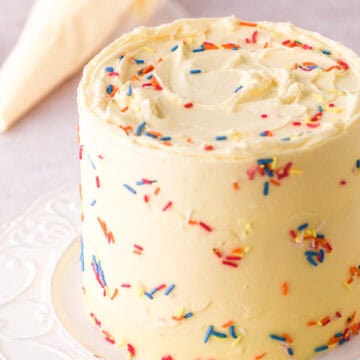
(224, 87)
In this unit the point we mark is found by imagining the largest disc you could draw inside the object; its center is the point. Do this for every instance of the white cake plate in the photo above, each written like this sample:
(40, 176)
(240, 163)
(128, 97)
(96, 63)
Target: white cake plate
(42, 315)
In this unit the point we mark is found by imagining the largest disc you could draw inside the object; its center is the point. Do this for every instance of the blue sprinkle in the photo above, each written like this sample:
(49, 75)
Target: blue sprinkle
(303, 226)
(140, 128)
(93, 203)
(263, 133)
(201, 48)
(232, 332)
(91, 162)
(358, 164)
(150, 135)
(209, 332)
(290, 351)
(320, 108)
(221, 137)
(286, 139)
(128, 187)
(269, 172)
(109, 89)
(195, 71)
(165, 138)
(109, 69)
(266, 188)
(129, 91)
(320, 236)
(139, 61)
(188, 315)
(265, 161)
(326, 52)
(153, 291)
(219, 334)
(174, 48)
(148, 295)
(169, 289)
(121, 57)
(339, 335)
(277, 337)
(343, 341)
(321, 348)
(311, 260)
(238, 89)
(149, 77)
(311, 253)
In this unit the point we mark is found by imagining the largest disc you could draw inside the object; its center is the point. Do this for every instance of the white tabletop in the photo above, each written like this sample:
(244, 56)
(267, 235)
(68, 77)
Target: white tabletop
(40, 152)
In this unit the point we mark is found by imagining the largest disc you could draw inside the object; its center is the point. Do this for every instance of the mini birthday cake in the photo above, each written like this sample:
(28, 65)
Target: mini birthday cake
(220, 184)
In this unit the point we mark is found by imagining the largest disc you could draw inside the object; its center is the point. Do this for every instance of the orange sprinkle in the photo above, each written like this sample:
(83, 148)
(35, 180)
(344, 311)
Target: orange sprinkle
(137, 252)
(167, 143)
(227, 324)
(250, 24)
(177, 318)
(135, 78)
(311, 323)
(210, 46)
(308, 63)
(82, 217)
(261, 356)
(116, 291)
(284, 288)
(114, 90)
(275, 182)
(289, 340)
(235, 185)
(126, 108)
(193, 222)
(266, 45)
(80, 192)
(155, 133)
(156, 191)
(189, 140)
(337, 67)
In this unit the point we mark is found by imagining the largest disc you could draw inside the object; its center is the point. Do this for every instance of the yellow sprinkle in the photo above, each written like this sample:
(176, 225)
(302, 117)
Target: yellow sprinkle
(181, 312)
(318, 97)
(248, 228)
(247, 249)
(347, 285)
(140, 291)
(296, 171)
(148, 49)
(121, 343)
(236, 341)
(336, 91)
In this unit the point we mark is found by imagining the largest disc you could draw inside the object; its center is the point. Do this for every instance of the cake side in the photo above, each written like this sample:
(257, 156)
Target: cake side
(245, 251)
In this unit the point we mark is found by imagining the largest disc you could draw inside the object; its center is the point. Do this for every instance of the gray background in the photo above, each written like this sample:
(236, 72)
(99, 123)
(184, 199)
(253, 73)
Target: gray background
(40, 152)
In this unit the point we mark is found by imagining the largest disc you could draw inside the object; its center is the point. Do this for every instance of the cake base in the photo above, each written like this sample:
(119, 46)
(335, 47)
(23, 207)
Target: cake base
(68, 302)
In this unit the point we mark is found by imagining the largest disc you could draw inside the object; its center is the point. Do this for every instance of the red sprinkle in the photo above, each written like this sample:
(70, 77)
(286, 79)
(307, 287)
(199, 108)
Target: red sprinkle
(167, 206)
(229, 263)
(205, 226)
(97, 182)
(188, 105)
(208, 147)
(264, 116)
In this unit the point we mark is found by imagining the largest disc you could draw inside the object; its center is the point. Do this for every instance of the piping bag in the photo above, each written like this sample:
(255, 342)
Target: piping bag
(57, 40)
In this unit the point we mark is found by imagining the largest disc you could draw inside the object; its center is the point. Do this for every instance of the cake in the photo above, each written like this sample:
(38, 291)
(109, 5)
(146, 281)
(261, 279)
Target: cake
(220, 184)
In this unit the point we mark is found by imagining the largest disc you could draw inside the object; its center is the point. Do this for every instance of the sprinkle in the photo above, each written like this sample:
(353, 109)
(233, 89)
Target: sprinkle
(277, 338)
(254, 37)
(167, 206)
(126, 285)
(93, 202)
(114, 294)
(109, 69)
(205, 226)
(303, 227)
(188, 105)
(174, 48)
(208, 147)
(148, 295)
(82, 254)
(128, 187)
(140, 128)
(238, 88)
(321, 348)
(169, 289)
(109, 89)
(138, 61)
(219, 334)
(246, 23)
(263, 116)
(156, 191)
(208, 333)
(129, 90)
(235, 185)
(259, 357)
(232, 332)
(266, 188)
(284, 288)
(188, 315)
(97, 182)
(358, 164)
(200, 49)
(229, 263)
(326, 52)
(228, 324)
(195, 71)
(221, 137)
(165, 138)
